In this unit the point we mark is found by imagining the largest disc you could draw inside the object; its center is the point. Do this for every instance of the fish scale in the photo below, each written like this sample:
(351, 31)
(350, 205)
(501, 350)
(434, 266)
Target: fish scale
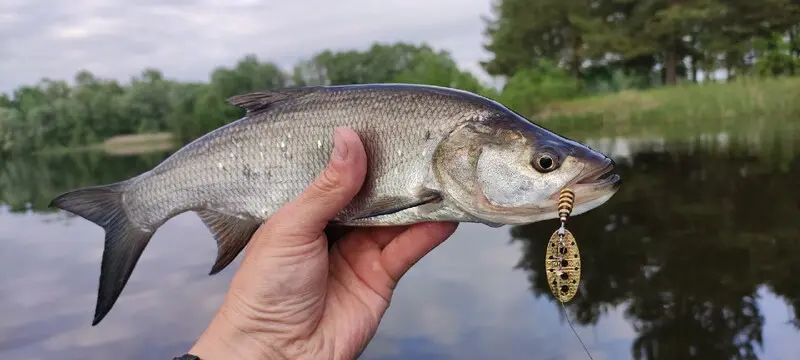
(422, 144)
(277, 178)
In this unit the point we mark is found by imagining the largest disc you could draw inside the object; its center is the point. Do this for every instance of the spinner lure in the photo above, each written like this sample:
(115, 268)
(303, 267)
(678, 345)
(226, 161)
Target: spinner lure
(563, 260)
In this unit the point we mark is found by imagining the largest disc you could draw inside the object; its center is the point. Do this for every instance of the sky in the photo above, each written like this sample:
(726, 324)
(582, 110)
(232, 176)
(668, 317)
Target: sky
(187, 39)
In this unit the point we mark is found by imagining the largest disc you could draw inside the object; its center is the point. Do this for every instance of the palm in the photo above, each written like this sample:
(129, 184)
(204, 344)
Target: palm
(293, 298)
(364, 268)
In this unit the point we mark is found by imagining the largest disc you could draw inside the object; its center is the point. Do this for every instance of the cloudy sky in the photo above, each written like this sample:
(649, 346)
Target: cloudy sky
(186, 39)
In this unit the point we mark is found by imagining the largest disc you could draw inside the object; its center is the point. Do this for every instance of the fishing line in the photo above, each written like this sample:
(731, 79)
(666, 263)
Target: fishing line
(564, 309)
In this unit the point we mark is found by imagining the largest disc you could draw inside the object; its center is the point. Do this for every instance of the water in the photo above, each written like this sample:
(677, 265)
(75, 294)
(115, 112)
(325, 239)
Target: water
(694, 258)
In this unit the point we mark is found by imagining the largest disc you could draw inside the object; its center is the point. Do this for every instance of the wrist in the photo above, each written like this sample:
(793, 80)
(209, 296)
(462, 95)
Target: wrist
(224, 340)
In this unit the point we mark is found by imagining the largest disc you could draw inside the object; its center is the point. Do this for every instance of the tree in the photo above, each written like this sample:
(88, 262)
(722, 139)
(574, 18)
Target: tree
(528, 30)
(636, 35)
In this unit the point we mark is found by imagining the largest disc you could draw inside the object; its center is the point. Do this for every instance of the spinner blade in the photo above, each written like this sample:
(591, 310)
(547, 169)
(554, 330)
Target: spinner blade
(563, 266)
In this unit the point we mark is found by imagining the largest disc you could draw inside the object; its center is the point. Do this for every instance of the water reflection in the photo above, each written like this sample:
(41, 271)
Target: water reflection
(685, 246)
(32, 182)
(692, 259)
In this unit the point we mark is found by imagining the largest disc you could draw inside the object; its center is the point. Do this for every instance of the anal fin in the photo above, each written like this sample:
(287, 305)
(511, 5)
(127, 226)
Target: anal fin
(231, 234)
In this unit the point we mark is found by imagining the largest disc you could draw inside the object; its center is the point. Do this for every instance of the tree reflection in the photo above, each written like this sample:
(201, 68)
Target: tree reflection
(31, 182)
(685, 245)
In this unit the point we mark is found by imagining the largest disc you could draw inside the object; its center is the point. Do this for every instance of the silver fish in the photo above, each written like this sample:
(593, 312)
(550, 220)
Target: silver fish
(434, 154)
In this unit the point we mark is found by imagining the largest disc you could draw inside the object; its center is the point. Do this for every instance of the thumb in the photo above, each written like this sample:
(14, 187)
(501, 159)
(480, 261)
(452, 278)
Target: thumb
(331, 191)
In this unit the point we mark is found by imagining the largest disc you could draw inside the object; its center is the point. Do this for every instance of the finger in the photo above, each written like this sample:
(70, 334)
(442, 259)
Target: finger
(409, 247)
(380, 236)
(330, 192)
(357, 261)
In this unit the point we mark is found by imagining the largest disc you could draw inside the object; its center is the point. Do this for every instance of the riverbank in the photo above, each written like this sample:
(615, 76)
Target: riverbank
(747, 104)
(140, 143)
(129, 144)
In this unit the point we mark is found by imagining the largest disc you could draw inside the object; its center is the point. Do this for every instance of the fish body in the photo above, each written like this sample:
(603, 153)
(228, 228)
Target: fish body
(434, 154)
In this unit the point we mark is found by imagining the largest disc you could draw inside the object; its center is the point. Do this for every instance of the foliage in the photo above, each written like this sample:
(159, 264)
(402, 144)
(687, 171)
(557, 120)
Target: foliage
(529, 89)
(56, 114)
(640, 36)
(780, 54)
(747, 105)
(549, 52)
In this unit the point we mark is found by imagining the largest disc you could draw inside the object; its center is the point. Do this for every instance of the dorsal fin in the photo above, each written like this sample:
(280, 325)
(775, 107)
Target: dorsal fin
(260, 101)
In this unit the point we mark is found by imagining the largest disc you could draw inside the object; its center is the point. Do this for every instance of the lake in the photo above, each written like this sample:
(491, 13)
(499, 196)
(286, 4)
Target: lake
(694, 258)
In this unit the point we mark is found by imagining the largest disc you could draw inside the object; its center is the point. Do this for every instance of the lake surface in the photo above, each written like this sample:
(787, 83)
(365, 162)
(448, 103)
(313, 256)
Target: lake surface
(696, 257)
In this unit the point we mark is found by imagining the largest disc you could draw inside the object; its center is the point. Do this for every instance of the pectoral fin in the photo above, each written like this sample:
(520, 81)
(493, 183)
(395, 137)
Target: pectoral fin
(391, 205)
(370, 216)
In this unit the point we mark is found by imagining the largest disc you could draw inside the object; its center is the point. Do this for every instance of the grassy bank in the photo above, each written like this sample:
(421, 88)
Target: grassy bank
(132, 144)
(139, 143)
(746, 105)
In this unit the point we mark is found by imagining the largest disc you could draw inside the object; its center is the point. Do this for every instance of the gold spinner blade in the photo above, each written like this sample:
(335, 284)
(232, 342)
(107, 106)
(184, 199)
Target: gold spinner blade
(563, 265)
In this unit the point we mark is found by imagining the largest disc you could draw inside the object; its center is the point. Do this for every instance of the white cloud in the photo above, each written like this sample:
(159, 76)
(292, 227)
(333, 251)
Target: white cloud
(187, 39)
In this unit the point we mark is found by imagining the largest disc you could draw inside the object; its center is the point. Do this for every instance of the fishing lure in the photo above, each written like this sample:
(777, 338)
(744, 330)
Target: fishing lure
(563, 260)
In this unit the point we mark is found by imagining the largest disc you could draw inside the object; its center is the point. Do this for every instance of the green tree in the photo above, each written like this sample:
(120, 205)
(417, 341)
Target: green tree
(379, 64)
(529, 89)
(526, 30)
(196, 108)
(638, 35)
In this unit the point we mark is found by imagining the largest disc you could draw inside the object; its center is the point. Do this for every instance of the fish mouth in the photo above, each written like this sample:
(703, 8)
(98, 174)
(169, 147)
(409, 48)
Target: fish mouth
(593, 188)
(601, 178)
(601, 182)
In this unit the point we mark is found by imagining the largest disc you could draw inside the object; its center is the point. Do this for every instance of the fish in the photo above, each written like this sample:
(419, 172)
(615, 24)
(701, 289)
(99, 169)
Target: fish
(434, 154)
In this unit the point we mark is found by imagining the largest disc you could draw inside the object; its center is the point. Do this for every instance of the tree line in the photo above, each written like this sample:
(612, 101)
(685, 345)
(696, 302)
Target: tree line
(546, 50)
(55, 113)
(682, 38)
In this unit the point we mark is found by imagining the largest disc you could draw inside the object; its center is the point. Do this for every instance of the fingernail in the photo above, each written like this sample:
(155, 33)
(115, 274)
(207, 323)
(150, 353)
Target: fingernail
(339, 145)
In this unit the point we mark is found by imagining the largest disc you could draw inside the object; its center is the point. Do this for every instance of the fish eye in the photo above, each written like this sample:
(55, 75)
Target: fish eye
(545, 162)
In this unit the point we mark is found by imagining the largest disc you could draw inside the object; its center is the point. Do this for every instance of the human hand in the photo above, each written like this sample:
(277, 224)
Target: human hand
(293, 299)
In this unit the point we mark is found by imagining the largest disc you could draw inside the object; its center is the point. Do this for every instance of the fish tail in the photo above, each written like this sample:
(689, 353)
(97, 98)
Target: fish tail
(124, 241)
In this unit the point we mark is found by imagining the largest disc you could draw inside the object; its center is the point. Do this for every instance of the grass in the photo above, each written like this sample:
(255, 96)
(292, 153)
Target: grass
(133, 144)
(139, 143)
(746, 105)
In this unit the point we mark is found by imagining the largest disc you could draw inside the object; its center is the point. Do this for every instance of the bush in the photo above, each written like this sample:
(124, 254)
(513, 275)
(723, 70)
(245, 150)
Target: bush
(530, 89)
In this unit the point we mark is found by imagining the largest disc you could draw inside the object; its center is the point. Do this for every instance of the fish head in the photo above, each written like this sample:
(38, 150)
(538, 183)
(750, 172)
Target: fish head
(507, 170)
